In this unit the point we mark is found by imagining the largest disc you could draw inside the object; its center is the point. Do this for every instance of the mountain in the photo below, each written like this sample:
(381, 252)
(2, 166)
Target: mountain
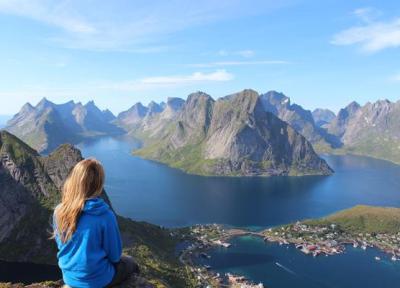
(151, 121)
(338, 125)
(47, 125)
(231, 136)
(372, 129)
(29, 190)
(322, 116)
(132, 116)
(153, 108)
(300, 119)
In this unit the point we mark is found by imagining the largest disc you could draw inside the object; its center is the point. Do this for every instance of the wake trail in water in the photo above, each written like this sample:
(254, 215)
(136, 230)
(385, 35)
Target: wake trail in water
(285, 268)
(319, 283)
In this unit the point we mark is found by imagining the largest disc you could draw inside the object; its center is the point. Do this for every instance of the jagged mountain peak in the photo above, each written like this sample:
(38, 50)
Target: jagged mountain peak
(198, 96)
(299, 118)
(138, 107)
(108, 115)
(277, 97)
(154, 107)
(44, 104)
(352, 106)
(90, 103)
(246, 99)
(323, 116)
(92, 106)
(175, 103)
(27, 107)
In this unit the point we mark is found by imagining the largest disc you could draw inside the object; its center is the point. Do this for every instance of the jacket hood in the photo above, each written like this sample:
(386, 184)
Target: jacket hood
(95, 206)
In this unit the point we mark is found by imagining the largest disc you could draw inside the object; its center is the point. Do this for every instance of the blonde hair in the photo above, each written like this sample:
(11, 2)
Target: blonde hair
(85, 181)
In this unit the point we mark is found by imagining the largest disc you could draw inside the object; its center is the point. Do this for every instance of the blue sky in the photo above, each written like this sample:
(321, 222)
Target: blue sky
(319, 53)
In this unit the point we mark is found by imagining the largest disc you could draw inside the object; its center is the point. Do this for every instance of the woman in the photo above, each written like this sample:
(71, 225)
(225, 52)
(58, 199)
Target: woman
(87, 233)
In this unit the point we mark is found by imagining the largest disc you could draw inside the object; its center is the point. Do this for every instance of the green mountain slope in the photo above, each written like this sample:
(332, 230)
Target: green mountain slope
(30, 189)
(364, 219)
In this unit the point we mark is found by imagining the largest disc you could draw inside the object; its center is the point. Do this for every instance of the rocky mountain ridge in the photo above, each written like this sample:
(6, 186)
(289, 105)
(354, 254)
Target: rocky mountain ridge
(300, 119)
(40, 126)
(371, 130)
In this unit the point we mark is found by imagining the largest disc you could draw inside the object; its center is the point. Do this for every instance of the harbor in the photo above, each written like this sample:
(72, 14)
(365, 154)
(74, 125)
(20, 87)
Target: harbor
(203, 238)
(313, 240)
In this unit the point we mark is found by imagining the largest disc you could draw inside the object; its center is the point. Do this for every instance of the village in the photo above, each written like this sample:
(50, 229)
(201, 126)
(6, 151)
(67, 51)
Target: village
(331, 239)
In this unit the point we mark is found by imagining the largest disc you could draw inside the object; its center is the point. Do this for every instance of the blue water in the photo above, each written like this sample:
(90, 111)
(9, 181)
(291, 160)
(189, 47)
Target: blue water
(145, 190)
(257, 260)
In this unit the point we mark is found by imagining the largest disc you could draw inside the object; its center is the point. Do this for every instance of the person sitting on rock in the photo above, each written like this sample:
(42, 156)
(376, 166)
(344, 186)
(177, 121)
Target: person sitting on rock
(87, 234)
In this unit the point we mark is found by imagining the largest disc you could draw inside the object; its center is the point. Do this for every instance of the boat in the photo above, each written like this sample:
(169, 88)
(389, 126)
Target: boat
(377, 258)
(394, 258)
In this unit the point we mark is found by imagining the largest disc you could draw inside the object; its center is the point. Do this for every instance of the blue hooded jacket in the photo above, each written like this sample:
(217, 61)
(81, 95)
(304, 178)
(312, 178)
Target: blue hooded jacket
(87, 259)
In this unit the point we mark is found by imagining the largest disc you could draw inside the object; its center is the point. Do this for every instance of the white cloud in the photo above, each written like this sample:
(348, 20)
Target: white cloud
(239, 63)
(371, 36)
(367, 14)
(219, 75)
(127, 25)
(52, 13)
(149, 83)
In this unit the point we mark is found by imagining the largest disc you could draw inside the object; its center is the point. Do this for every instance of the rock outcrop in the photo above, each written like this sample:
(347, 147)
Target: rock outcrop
(300, 119)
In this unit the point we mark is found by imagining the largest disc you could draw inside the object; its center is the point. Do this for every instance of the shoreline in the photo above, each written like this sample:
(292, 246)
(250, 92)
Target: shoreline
(203, 238)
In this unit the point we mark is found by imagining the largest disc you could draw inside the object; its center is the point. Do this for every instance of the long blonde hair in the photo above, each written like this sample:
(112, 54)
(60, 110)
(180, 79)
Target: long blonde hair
(85, 181)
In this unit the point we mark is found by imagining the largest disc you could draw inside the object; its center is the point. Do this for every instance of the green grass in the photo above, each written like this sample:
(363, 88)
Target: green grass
(364, 219)
(372, 145)
(153, 248)
(189, 158)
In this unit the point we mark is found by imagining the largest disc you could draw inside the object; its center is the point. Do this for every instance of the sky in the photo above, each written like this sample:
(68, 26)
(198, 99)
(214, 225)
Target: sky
(319, 53)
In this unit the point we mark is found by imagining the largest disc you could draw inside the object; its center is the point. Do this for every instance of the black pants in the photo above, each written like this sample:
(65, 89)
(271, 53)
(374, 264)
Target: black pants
(123, 269)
